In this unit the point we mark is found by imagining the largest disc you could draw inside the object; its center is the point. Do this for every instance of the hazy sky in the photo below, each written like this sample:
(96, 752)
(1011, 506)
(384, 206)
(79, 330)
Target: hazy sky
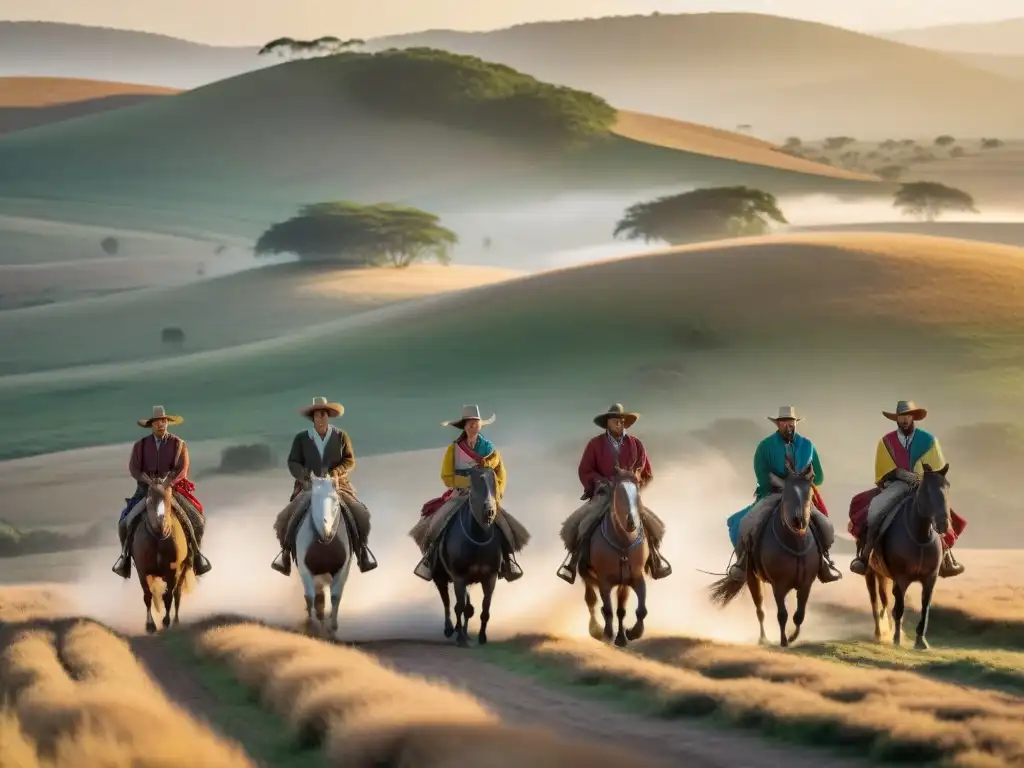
(246, 22)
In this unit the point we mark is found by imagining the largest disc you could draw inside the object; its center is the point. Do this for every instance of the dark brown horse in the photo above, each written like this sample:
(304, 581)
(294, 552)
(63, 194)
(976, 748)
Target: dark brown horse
(786, 555)
(161, 553)
(618, 555)
(910, 550)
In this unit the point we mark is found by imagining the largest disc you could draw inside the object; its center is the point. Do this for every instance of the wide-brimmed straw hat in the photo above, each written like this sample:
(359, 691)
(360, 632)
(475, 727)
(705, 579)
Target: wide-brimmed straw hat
(159, 413)
(616, 411)
(907, 408)
(334, 410)
(469, 412)
(785, 412)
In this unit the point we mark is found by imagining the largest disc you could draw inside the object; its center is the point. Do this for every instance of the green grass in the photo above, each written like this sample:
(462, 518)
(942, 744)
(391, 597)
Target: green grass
(264, 735)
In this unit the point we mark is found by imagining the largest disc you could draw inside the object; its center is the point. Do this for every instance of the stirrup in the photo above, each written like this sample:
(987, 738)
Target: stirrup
(367, 562)
(200, 565)
(424, 570)
(282, 563)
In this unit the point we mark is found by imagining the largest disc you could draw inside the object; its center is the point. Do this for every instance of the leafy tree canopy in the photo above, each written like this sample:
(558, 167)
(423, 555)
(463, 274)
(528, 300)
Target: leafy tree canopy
(360, 235)
(929, 199)
(289, 46)
(702, 214)
(469, 92)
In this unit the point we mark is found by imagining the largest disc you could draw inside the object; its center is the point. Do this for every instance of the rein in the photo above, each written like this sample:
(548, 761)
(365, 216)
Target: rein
(468, 508)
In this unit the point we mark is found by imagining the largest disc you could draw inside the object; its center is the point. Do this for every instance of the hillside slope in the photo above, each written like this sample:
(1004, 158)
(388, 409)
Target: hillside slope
(782, 76)
(236, 155)
(51, 49)
(26, 102)
(706, 320)
(1004, 37)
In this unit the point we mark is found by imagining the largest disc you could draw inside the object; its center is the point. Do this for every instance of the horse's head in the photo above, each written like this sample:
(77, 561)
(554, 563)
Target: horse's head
(324, 507)
(625, 500)
(483, 495)
(158, 504)
(797, 494)
(933, 497)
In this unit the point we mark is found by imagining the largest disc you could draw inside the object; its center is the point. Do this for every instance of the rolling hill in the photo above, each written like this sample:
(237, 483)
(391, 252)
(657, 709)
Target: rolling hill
(1004, 37)
(236, 155)
(781, 76)
(705, 322)
(26, 102)
(50, 49)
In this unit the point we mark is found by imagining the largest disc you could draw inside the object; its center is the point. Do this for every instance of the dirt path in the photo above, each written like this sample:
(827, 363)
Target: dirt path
(179, 685)
(522, 701)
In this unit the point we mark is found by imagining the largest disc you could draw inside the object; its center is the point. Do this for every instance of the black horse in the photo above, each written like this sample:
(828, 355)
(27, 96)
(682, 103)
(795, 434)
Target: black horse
(470, 552)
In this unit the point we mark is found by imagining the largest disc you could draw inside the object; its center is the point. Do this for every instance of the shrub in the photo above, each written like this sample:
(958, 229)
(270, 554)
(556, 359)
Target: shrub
(255, 457)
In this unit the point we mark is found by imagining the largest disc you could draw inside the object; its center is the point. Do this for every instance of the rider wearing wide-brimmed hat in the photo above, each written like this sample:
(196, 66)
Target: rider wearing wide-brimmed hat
(605, 453)
(900, 457)
(325, 451)
(153, 456)
(469, 449)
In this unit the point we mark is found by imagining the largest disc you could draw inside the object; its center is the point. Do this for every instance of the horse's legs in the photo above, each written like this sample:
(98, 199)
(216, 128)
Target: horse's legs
(461, 595)
(590, 597)
(756, 588)
(927, 587)
(780, 605)
(606, 608)
(177, 597)
(620, 614)
(171, 580)
(147, 598)
(803, 592)
(637, 630)
(487, 585)
(337, 589)
(871, 580)
(441, 582)
(898, 594)
(309, 590)
(883, 597)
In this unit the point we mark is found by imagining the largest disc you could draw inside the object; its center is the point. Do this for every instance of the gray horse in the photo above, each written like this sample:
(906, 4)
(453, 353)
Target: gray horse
(323, 552)
(470, 552)
(910, 550)
(785, 554)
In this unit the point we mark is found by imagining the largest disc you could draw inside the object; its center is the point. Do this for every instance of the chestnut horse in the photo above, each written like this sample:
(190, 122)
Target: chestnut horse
(786, 555)
(161, 554)
(618, 556)
(910, 550)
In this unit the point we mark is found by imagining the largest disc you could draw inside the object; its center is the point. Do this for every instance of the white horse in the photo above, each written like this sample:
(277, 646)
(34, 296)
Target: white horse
(323, 551)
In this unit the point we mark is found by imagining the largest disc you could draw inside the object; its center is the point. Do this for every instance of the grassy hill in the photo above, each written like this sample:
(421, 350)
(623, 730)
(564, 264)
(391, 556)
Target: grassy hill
(731, 328)
(26, 102)
(1004, 37)
(236, 155)
(51, 49)
(780, 75)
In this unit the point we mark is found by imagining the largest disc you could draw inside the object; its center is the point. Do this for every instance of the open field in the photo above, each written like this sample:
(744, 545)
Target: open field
(674, 331)
(780, 76)
(242, 308)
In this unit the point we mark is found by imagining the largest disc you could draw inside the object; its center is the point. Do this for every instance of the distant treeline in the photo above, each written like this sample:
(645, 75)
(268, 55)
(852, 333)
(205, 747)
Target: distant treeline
(16, 543)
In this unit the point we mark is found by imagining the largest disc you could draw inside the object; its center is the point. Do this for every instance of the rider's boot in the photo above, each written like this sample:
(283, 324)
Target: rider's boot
(510, 570)
(283, 563)
(949, 566)
(123, 565)
(827, 571)
(859, 564)
(366, 561)
(425, 567)
(738, 570)
(567, 571)
(659, 566)
(200, 565)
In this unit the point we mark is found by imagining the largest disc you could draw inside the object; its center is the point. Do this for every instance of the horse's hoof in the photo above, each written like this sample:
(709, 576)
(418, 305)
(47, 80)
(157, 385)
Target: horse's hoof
(469, 611)
(449, 629)
(595, 629)
(462, 642)
(921, 644)
(762, 641)
(784, 642)
(482, 638)
(151, 627)
(620, 640)
(166, 622)
(635, 632)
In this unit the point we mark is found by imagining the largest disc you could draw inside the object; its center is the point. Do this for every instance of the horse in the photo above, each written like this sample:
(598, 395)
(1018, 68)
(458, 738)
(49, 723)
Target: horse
(323, 552)
(786, 555)
(618, 554)
(470, 552)
(161, 554)
(908, 551)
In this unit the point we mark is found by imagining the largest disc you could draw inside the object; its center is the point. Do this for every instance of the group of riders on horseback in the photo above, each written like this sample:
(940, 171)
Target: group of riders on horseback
(323, 450)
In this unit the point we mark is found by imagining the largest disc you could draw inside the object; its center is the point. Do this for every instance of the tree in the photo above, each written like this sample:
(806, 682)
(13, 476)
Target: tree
(991, 143)
(366, 235)
(110, 245)
(327, 45)
(890, 172)
(702, 214)
(838, 142)
(944, 140)
(929, 200)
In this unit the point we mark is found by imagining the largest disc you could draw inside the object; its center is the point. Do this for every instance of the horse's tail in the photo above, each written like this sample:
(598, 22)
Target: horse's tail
(184, 558)
(724, 591)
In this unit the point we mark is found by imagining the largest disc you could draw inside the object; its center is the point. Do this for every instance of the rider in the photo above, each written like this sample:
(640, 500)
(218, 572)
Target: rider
(470, 449)
(899, 465)
(611, 449)
(153, 456)
(323, 450)
(780, 453)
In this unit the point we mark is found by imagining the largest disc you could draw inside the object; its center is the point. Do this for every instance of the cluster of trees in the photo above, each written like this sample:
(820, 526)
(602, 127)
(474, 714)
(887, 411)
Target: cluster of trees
(322, 46)
(466, 91)
(360, 235)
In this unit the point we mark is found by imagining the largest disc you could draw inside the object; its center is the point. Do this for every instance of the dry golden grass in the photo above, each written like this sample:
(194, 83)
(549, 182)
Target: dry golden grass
(891, 715)
(366, 714)
(45, 91)
(32, 602)
(378, 286)
(715, 142)
(79, 697)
